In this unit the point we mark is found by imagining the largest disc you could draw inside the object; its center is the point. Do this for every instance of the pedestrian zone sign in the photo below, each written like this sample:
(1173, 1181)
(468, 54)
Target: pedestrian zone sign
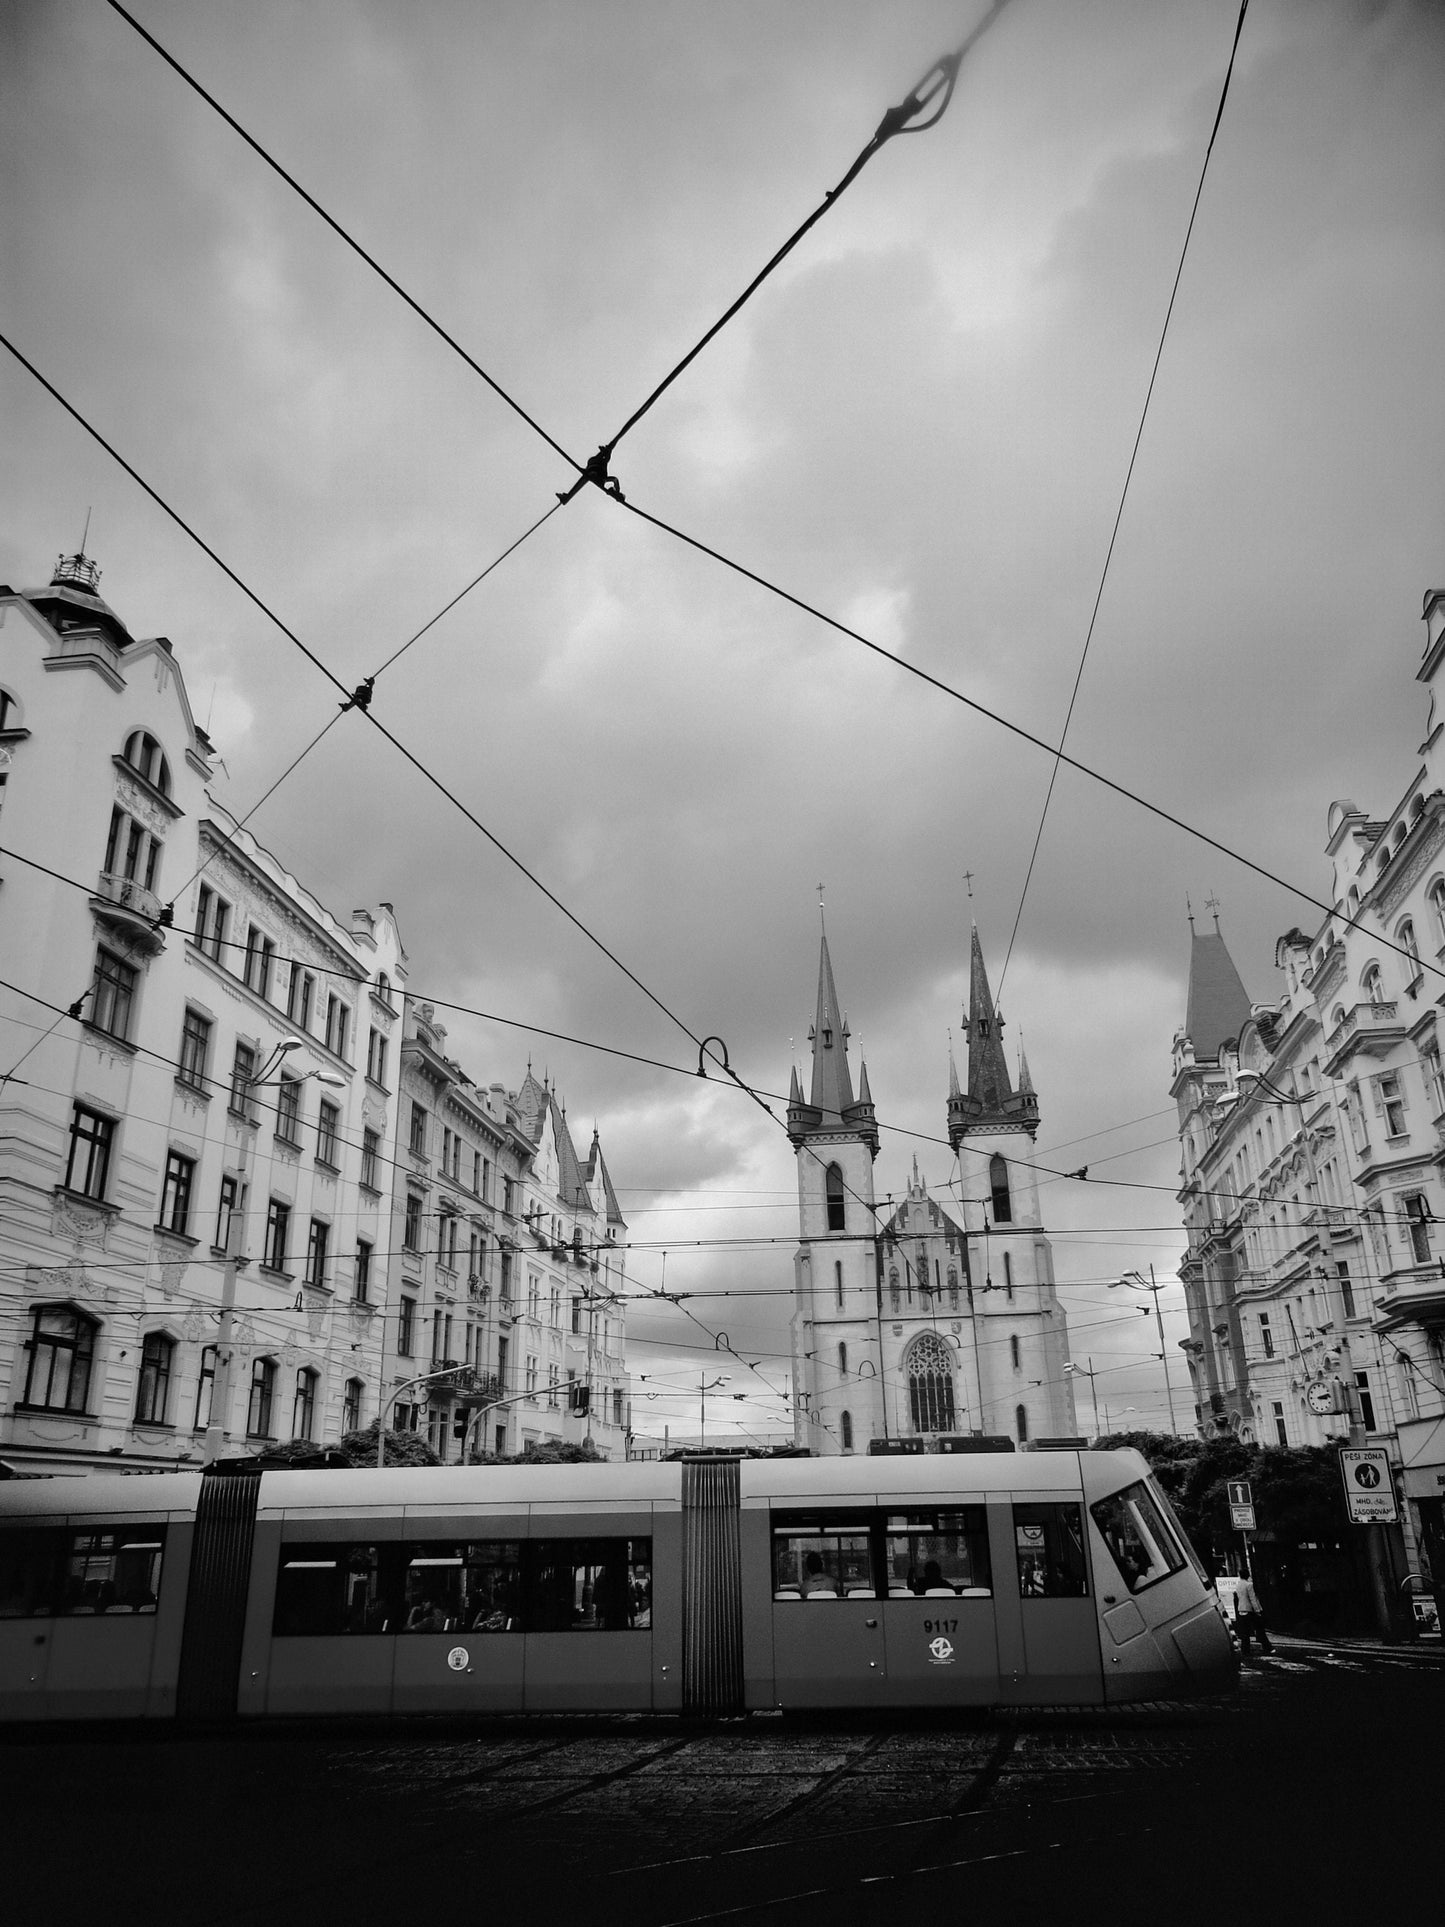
(1369, 1490)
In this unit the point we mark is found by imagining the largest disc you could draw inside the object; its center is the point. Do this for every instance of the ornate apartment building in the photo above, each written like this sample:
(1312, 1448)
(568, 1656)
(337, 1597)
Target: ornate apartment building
(193, 1160)
(1312, 1134)
(939, 1321)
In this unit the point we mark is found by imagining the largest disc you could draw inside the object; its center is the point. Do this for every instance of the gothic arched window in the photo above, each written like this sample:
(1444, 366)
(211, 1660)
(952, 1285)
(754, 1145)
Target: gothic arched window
(1021, 1424)
(843, 1360)
(930, 1384)
(1003, 1211)
(953, 1287)
(834, 1188)
(893, 1286)
(847, 1430)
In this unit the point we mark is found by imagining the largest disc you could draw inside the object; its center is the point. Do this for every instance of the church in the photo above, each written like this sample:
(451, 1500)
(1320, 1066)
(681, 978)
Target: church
(936, 1323)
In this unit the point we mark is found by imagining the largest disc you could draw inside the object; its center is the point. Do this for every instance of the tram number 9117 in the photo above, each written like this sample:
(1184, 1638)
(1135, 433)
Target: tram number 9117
(940, 1625)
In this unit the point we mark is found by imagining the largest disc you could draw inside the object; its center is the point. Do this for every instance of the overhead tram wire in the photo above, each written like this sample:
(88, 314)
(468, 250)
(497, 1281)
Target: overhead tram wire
(350, 240)
(1123, 497)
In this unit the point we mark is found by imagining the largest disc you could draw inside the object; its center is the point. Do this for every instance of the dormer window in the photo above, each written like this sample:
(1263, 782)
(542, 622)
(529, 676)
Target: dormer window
(148, 760)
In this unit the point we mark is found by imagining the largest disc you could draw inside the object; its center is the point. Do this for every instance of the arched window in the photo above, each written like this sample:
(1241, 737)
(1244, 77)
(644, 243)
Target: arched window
(1021, 1423)
(351, 1406)
(303, 1409)
(263, 1398)
(62, 1349)
(1406, 938)
(1437, 904)
(893, 1286)
(834, 1187)
(205, 1386)
(930, 1384)
(1373, 984)
(154, 1388)
(847, 1430)
(148, 760)
(1013, 1352)
(1003, 1211)
(953, 1286)
(838, 1281)
(843, 1360)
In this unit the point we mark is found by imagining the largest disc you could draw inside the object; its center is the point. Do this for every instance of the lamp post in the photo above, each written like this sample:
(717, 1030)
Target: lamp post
(1088, 1372)
(1136, 1281)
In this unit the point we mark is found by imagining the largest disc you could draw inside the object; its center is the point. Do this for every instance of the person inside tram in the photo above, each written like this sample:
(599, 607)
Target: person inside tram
(818, 1584)
(934, 1584)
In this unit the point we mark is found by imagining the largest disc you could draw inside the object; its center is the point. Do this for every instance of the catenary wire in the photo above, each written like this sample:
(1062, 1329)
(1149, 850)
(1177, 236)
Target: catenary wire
(1123, 496)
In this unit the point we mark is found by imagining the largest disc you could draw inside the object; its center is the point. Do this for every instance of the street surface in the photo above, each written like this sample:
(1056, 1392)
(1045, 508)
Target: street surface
(1314, 1792)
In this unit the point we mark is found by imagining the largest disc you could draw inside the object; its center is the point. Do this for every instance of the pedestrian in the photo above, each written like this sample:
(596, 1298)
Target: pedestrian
(1249, 1618)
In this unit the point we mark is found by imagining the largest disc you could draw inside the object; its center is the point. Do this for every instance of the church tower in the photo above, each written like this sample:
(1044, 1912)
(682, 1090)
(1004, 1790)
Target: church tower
(835, 1139)
(1019, 1338)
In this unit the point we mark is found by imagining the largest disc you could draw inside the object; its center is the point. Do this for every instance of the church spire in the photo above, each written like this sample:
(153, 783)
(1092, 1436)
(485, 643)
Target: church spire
(831, 1104)
(990, 1102)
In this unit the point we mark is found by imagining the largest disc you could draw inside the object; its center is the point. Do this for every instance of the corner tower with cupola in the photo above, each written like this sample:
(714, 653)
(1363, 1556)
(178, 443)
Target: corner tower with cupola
(835, 1138)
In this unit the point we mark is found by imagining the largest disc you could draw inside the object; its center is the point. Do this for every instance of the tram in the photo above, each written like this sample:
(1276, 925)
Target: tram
(708, 1587)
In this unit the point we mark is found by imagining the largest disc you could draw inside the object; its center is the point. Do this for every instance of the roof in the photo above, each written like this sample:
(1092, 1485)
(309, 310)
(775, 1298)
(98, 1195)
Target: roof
(832, 1085)
(1218, 1002)
(988, 1078)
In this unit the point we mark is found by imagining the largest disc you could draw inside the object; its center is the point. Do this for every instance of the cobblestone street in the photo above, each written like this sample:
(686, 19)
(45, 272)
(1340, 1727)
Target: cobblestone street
(1162, 1811)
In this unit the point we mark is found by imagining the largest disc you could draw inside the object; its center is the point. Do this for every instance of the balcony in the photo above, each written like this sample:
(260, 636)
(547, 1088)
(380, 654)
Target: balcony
(129, 908)
(1372, 1030)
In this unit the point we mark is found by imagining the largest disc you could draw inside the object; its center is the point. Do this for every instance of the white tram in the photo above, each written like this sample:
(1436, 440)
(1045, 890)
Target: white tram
(707, 1587)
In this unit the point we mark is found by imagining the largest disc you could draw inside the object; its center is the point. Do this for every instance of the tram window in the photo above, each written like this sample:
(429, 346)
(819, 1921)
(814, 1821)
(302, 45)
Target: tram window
(937, 1554)
(493, 1588)
(30, 1562)
(117, 1570)
(1140, 1543)
(590, 1585)
(815, 1557)
(1049, 1545)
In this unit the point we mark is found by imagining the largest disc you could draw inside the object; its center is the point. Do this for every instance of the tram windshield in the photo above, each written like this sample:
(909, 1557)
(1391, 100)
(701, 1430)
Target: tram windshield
(1140, 1543)
(939, 1554)
(821, 1558)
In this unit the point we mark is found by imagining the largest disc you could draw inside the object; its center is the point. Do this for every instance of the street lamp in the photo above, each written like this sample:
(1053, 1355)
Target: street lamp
(1088, 1372)
(1136, 1281)
(710, 1385)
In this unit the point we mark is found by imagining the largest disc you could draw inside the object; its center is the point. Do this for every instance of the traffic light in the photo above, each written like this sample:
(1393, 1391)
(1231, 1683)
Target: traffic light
(579, 1399)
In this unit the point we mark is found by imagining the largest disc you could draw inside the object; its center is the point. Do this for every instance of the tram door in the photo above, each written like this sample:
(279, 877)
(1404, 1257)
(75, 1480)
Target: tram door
(1048, 1627)
(828, 1639)
(939, 1613)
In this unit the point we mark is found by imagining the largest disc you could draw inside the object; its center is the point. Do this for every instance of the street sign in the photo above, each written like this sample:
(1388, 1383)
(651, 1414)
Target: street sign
(1241, 1517)
(1239, 1492)
(1369, 1490)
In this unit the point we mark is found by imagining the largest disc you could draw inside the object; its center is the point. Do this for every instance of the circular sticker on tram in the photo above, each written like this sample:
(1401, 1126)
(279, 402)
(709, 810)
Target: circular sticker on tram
(941, 1651)
(459, 1659)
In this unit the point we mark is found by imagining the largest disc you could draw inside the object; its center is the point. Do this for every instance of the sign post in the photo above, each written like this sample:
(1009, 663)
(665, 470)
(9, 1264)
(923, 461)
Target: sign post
(1241, 1505)
(1369, 1489)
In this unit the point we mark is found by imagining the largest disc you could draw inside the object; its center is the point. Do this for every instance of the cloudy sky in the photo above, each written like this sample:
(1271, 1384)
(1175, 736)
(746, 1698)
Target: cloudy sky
(921, 425)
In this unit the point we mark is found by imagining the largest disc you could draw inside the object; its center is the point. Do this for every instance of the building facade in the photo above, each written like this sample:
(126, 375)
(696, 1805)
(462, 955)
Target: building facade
(939, 1321)
(193, 1162)
(1312, 1134)
(506, 1325)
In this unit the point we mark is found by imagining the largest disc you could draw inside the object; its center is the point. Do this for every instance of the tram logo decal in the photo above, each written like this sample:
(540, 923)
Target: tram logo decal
(458, 1659)
(940, 1651)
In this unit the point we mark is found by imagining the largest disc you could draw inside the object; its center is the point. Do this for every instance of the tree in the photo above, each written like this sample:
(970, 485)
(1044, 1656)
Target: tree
(402, 1448)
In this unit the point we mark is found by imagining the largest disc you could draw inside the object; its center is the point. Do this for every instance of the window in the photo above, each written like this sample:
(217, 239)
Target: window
(213, 916)
(147, 759)
(112, 994)
(370, 1149)
(555, 1315)
(406, 1328)
(1049, 1549)
(930, 1384)
(418, 1129)
(1390, 1103)
(229, 1214)
(1281, 1433)
(1021, 1423)
(1405, 937)
(479, 1165)
(838, 1282)
(88, 1165)
(893, 1299)
(1347, 1289)
(132, 852)
(1003, 1212)
(1008, 1277)
(303, 1406)
(154, 1387)
(288, 1110)
(577, 1314)
(328, 1117)
(1140, 1541)
(361, 1278)
(616, 1407)
(299, 994)
(938, 1554)
(447, 1240)
(278, 1230)
(376, 1057)
(243, 1070)
(833, 1186)
(62, 1349)
(953, 1287)
(195, 1048)
(337, 1019)
(411, 1228)
(1266, 1336)
(316, 1243)
(176, 1192)
(58, 1571)
(205, 1387)
(845, 1428)
(351, 1406)
(822, 1555)
(1417, 1227)
(1373, 985)
(509, 1197)
(1367, 1403)
(260, 958)
(531, 1380)
(262, 1400)
(554, 1379)
(534, 1297)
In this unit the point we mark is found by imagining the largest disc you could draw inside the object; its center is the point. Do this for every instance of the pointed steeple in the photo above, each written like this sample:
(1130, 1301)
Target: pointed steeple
(832, 1086)
(953, 1090)
(1026, 1083)
(1218, 1001)
(990, 1103)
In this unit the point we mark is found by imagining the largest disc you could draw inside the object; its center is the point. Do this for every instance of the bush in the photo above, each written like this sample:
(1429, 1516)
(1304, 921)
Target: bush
(402, 1448)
